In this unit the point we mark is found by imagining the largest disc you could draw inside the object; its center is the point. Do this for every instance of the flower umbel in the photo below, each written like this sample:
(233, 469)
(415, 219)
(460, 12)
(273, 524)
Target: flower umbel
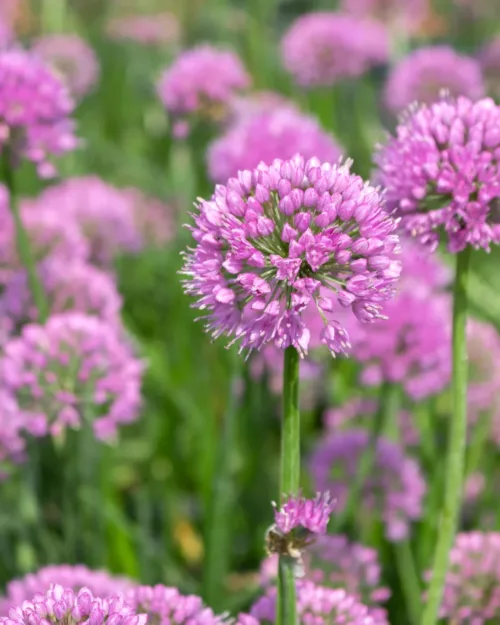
(283, 236)
(311, 514)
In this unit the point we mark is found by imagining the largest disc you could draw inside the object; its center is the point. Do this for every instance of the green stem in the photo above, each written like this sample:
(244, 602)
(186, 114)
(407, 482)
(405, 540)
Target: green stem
(289, 478)
(456, 443)
(409, 579)
(23, 244)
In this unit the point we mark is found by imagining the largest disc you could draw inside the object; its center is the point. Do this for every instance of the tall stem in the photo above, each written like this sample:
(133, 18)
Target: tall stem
(289, 478)
(456, 443)
(23, 244)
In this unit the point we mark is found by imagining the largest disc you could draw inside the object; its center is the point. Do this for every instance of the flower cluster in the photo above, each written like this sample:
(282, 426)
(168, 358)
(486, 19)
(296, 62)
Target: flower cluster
(441, 172)
(323, 48)
(74, 368)
(310, 514)
(202, 81)
(279, 238)
(34, 111)
(280, 133)
(62, 606)
(71, 57)
(156, 29)
(393, 491)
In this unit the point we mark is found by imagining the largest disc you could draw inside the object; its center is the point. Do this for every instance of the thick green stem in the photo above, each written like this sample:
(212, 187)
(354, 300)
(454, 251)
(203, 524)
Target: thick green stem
(23, 244)
(289, 478)
(456, 443)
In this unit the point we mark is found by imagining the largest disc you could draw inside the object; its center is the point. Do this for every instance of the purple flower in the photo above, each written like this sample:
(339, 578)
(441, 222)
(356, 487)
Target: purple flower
(323, 48)
(311, 514)
(318, 605)
(405, 15)
(76, 577)
(334, 562)
(282, 237)
(426, 72)
(62, 605)
(34, 111)
(73, 368)
(471, 594)
(11, 441)
(71, 57)
(156, 29)
(280, 133)
(393, 491)
(202, 81)
(441, 172)
(489, 59)
(69, 285)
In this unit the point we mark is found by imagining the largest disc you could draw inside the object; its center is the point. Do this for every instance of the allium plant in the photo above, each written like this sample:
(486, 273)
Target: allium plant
(394, 490)
(201, 82)
(76, 577)
(35, 109)
(280, 133)
(323, 48)
(72, 58)
(62, 606)
(489, 58)
(426, 72)
(74, 369)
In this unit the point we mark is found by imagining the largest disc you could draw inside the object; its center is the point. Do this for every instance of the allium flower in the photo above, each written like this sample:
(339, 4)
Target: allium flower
(426, 72)
(103, 213)
(62, 606)
(472, 590)
(11, 441)
(281, 133)
(272, 237)
(34, 111)
(318, 605)
(323, 48)
(156, 29)
(406, 15)
(441, 172)
(71, 57)
(72, 369)
(311, 514)
(71, 285)
(334, 562)
(154, 220)
(202, 81)
(76, 577)
(489, 59)
(394, 490)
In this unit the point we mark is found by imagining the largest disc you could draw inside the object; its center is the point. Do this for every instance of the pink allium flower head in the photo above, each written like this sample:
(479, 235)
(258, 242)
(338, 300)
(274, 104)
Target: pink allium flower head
(72, 368)
(272, 237)
(71, 285)
(318, 605)
(441, 172)
(281, 133)
(154, 220)
(166, 604)
(63, 606)
(323, 48)
(202, 81)
(334, 562)
(426, 72)
(472, 590)
(394, 490)
(311, 514)
(157, 29)
(103, 213)
(489, 59)
(76, 577)
(406, 15)
(34, 111)
(11, 441)
(70, 56)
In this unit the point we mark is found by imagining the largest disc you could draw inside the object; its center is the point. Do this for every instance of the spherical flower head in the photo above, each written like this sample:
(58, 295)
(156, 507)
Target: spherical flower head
(103, 213)
(11, 440)
(76, 577)
(471, 593)
(426, 72)
(280, 237)
(72, 58)
(202, 81)
(299, 512)
(489, 58)
(154, 220)
(441, 172)
(406, 15)
(322, 48)
(319, 605)
(155, 29)
(281, 133)
(35, 109)
(394, 490)
(75, 368)
(63, 606)
(71, 285)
